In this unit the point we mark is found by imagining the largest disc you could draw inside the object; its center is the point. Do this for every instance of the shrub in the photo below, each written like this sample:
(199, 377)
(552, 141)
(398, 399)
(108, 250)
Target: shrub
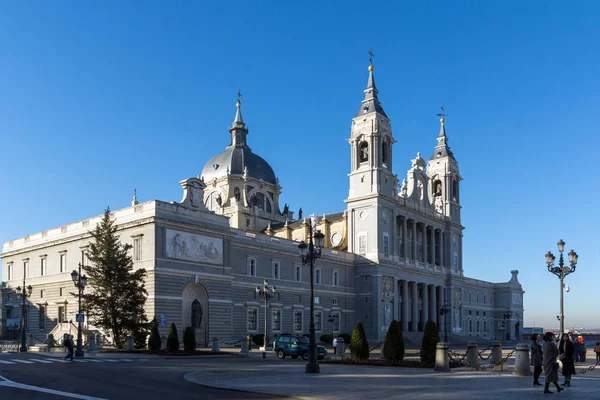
(172, 339)
(154, 342)
(393, 347)
(359, 347)
(431, 338)
(326, 338)
(189, 339)
(258, 339)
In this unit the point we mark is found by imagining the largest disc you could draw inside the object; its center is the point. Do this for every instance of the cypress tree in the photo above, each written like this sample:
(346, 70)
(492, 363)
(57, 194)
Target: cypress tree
(116, 295)
(154, 342)
(172, 339)
(359, 347)
(393, 348)
(189, 339)
(429, 343)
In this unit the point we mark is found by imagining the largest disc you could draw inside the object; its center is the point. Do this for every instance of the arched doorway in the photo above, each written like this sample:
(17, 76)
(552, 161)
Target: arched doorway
(195, 312)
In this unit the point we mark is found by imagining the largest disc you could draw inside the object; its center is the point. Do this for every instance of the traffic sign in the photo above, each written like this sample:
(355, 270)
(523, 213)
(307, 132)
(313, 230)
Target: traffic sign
(162, 320)
(79, 317)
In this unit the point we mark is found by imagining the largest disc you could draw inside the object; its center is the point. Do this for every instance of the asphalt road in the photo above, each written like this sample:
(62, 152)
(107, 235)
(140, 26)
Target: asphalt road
(139, 379)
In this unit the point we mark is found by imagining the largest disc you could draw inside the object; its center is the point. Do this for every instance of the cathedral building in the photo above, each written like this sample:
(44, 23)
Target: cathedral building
(394, 252)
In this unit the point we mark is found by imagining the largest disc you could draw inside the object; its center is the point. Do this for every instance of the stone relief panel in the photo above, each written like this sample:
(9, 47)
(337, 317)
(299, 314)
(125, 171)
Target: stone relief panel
(193, 247)
(387, 286)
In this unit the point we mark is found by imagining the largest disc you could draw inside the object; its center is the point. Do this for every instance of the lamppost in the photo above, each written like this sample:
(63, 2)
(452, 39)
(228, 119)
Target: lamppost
(444, 310)
(25, 293)
(263, 293)
(561, 271)
(80, 281)
(507, 314)
(331, 320)
(309, 254)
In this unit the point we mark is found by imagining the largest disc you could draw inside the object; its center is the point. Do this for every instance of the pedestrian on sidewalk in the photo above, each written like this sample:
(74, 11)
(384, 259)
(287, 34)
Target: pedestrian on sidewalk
(567, 356)
(68, 343)
(597, 351)
(583, 350)
(550, 352)
(536, 358)
(576, 348)
(334, 344)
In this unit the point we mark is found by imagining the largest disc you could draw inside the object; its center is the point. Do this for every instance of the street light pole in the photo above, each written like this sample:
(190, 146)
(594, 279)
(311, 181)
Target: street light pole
(561, 271)
(25, 293)
(444, 310)
(79, 281)
(331, 320)
(507, 314)
(314, 253)
(263, 292)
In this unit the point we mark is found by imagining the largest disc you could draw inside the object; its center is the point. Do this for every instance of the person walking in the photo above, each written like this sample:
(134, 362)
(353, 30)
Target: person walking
(550, 352)
(583, 350)
(597, 351)
(576, 348)
(68, 343)
(566, 353)
(334, 344)
(536, 358)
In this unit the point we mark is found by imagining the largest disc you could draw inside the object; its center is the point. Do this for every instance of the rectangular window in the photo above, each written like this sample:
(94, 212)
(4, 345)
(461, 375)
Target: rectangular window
(386, 243)
(335, 301)
(43, 266)
(10, 272)
(60, 291)
(26, 268)
(137, 249)
(252, 266)
(276, 270)
(276, 320)
(317, 300)
(86, 260)
(252, 319)
(318, 276)
(42, 317)
(477, 324)
(8, 312)
(484, 326)
(63, 262)
(297, 321)
(298, 273)
(362, 244)
(41, 294)
(336, 278)
(62, 314)
(336, 322)
(455, 261)
(318, 321)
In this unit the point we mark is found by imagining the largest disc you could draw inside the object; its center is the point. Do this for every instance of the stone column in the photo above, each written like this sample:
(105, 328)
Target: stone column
(393, 241)
(396, 300)
(414, 317)
(414, 240)
(404, 238)
(434, 309)
(432, 245)
(442, 241)
(425, 256)
(425, 305)
(405, 306)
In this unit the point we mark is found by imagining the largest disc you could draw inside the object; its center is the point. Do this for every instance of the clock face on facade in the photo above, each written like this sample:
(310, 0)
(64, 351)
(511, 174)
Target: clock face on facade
(336, 239)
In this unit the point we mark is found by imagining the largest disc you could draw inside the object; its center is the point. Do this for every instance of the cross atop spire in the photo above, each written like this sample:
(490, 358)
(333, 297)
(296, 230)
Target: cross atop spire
(238, 115)
(371, 102)
(238, 129)
(371, 55)
(134, 202)
(442, 149)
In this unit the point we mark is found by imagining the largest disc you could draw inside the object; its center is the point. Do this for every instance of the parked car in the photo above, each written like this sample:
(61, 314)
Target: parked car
(294, 346)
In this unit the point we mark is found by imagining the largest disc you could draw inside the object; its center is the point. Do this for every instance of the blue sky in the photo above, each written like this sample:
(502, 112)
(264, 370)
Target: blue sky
(99, 98)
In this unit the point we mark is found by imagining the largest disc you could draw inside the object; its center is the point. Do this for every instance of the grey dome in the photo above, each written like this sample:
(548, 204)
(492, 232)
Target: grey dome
(237, 159)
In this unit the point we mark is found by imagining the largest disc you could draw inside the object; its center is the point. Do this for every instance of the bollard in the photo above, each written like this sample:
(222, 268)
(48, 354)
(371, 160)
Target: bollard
(244, 348)
(51, 342)
(130, 342)
(442, 362)
(98, 340)
(215, 345)
(472, 355)
(91, 343)
(496, 357)
(522, 367)
(340, 348)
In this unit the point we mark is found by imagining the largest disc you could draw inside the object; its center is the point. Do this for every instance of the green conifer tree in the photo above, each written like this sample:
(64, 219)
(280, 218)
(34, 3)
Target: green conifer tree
(172, 339)
(116, 295)
(154, 342)
(189, 339)
(359, 347)
(393, 347)
(431, 338)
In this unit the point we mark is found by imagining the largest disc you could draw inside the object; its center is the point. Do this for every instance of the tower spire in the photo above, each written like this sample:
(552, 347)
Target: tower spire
(442, 149)
(238, 129)
(371, 101)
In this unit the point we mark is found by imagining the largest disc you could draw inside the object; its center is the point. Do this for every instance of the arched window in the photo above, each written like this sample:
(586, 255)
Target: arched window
(437, 188)
(384, 152)
(213, 201)
(363, 152)
(455, 190)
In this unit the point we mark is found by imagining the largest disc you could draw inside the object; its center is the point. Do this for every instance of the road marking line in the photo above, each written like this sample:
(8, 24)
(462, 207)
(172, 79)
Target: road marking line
(7, 383)
(109, 360)
(58, 360)
(41, 361)
(24, 361)
(6, 362)
(81, 361)
(91, 360)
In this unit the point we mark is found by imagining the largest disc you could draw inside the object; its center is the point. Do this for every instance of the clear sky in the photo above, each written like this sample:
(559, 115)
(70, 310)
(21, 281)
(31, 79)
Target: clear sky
(99, 98)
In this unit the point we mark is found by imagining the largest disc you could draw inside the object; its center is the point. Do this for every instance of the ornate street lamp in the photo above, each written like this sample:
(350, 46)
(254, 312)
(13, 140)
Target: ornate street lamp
(561, 271)
(263, 293)
(507, 314)
(444, 310)
(25, 293)
(309, 254)
(331, 320)
(80, 282)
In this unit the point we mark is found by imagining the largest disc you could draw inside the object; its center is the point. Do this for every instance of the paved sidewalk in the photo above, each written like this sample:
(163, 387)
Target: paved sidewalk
(358, 382)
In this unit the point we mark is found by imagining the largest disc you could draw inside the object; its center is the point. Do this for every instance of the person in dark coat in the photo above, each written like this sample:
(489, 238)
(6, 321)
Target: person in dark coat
(550, 352)
(597, 351)
(576, 347)
(567, 356)
(536, 358)
(68, 343)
